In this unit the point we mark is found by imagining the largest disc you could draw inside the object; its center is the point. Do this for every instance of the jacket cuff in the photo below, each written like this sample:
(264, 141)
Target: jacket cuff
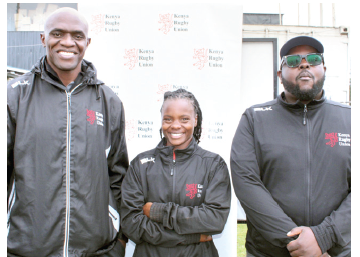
(324, 235)
(157, 212)
(191, 239)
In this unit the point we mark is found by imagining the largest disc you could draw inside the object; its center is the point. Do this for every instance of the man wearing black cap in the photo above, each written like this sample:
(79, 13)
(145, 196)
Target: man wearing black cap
(291, 166)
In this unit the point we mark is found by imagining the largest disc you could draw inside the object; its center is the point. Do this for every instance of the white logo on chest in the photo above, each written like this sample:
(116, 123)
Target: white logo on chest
(145, 160)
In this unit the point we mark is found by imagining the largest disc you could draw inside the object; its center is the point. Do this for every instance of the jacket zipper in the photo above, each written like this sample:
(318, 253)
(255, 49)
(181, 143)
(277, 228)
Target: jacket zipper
(68, 148)
(308, 157)
(305, 115)
(173, 174)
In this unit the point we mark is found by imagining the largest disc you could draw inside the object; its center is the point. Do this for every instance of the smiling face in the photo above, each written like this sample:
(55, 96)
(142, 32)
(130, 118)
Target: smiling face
(66, 40)
(178, 122)
(304, 82)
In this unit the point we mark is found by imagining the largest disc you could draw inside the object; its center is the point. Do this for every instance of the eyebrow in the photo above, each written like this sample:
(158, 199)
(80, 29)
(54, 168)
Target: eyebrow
(66, 31)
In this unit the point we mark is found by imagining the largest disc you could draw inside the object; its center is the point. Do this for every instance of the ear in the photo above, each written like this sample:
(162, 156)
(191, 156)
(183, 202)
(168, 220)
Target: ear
(88, 41)
(42, 38)
(196, 118)
(279, 75)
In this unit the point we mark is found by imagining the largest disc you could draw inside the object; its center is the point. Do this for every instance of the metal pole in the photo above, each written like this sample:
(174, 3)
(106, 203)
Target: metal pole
(321, 16)
(280, 15)
(333, 15)
(309, 14)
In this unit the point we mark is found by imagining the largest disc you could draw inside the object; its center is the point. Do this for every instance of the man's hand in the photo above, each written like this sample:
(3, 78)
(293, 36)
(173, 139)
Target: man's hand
(205, 238)
(305, 245)
(146, 209)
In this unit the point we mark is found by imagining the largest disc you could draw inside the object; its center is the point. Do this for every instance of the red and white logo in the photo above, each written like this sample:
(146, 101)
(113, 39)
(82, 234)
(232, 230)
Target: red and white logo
(132, 56)
(98, 23)
(162, 90)
(167, 22)
(338, 139)
(201, 56)
(194, 190)
(91, 115)
(95, 116)
(130, 129)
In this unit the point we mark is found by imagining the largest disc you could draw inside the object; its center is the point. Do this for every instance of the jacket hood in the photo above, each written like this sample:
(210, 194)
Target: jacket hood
(90, 72)
(166, 152)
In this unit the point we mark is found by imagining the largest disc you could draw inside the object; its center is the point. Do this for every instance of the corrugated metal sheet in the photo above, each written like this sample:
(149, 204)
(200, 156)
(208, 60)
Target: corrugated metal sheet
(24, 49)
(261, 18)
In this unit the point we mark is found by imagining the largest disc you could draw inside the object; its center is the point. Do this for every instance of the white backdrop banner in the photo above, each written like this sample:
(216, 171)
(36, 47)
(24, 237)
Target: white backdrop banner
(142, 51)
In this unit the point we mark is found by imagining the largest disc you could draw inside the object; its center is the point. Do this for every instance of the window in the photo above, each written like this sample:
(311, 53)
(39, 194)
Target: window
(31, 16)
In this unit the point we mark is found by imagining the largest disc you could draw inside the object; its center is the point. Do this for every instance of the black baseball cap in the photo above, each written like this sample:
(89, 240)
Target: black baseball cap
(301, 40)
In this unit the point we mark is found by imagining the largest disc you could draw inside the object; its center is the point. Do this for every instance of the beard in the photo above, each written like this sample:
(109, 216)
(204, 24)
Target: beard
(304, 95)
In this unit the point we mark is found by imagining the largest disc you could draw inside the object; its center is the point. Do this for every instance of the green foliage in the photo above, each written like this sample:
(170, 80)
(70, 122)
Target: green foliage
(241, 234)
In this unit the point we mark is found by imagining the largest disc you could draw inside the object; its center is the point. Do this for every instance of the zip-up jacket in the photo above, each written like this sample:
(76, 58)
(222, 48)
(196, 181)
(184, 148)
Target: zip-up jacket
(190, 192)
(290, 166)
(67, 158)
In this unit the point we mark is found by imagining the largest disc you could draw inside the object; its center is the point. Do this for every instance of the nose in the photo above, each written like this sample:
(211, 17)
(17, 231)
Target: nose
(176, 124)
(304, 64)
(67, 40)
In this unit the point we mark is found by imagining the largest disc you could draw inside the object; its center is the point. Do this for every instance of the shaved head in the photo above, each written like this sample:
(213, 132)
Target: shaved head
(60, 12)
(66, 40)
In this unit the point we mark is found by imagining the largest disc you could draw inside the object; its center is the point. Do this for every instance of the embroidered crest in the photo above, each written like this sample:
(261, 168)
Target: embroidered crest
(194, 190)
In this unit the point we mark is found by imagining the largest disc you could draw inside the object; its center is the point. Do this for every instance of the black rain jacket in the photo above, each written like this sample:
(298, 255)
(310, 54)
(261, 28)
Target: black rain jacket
(190, 191)
(67, 157)
(291, 166)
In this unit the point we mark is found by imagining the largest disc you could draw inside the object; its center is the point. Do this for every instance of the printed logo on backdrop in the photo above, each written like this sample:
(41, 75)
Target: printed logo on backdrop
(105, 22)
(132, 57)
(142, 58)
(173, 22)
(208, 58)
(115, 89)
(138, 129)
(204, 131)
(337, 139)
(166, 21)
(215, 130)
(201, 57)
(130, 129)
(168, 87)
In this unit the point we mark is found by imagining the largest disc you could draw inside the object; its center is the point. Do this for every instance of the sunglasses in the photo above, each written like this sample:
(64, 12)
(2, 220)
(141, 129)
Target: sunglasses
(293, 61)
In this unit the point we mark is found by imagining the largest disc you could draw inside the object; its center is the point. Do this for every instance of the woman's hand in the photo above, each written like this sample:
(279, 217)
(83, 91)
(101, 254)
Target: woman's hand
(205, 238)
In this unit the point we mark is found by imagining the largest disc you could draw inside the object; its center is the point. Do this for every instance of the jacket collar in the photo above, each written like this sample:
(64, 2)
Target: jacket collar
(87, 68)
(299, 105)
(166, 152)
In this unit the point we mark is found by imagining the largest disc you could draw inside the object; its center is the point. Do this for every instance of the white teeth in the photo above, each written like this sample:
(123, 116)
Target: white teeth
(67, 53)
(175, 134)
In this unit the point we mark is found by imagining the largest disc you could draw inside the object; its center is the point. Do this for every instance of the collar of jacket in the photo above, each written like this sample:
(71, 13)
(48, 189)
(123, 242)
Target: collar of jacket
(166, 152)
(299, 105)
(90, 77)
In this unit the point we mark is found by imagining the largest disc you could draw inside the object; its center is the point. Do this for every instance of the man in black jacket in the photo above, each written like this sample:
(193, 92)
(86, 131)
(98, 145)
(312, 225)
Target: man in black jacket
(67, 152)
(291, 166)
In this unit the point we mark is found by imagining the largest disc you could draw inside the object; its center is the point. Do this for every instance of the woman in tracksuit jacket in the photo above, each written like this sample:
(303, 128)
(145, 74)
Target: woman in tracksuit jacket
(176, 195)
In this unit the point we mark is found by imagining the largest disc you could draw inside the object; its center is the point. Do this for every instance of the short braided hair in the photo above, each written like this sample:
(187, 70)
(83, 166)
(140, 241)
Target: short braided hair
(183, 94)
